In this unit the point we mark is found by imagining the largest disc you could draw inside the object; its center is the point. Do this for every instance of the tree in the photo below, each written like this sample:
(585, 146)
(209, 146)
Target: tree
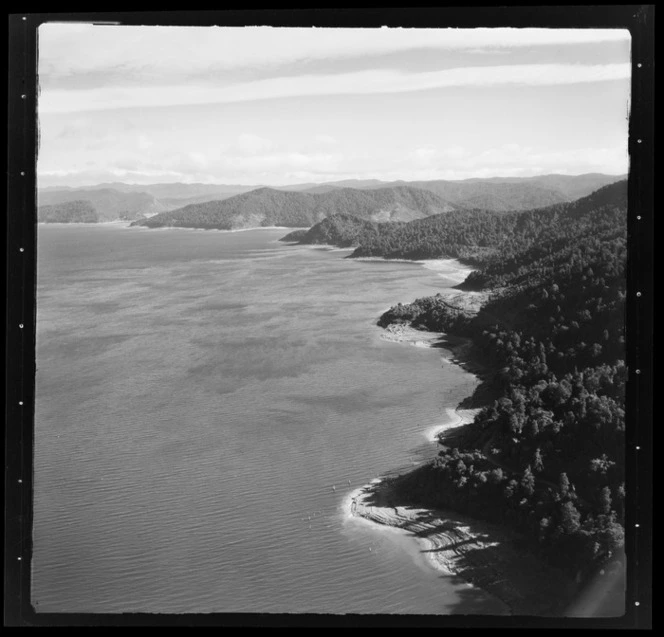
(496, 476)
(605, 500)
(528, 481)
(570, 518)
(538, 465)
(563, 483)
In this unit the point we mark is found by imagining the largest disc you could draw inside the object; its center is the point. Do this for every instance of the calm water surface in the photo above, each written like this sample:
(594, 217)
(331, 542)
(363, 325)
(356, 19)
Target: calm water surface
(198, 396)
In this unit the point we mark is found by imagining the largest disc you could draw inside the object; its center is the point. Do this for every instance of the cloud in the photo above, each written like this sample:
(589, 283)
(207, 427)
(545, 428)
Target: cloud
(151, 52)
(144, 142)
(326, 140)
(357, 83)
(253, 144)
(293, 166)
(510, 160)
(234, 166)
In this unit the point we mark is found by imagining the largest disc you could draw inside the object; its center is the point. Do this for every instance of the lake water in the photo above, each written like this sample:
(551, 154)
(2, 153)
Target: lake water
(198, 396)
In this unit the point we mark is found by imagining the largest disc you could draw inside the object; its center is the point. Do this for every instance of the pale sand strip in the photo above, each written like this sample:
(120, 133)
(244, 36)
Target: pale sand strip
(456, 418)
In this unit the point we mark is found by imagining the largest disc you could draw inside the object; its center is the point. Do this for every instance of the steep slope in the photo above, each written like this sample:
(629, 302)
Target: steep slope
(401, 203)
(476, 234)
(545, 240)
(270, 207)
(502, 194)
(547, 456)
(340, 230)
(570, 187)
(257, 208)
(492, 196)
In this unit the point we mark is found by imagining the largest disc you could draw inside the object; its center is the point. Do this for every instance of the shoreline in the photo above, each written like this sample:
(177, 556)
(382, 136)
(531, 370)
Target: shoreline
(127, 224)
(117, 223)
(452, 269)
(484, 554)
(215, 229)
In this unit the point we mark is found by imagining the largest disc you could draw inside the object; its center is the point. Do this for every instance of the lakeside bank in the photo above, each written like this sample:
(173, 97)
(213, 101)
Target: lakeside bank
(489, 556)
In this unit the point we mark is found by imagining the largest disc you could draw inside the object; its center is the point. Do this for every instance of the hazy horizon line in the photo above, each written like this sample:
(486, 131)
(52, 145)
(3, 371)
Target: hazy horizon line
(322, 183)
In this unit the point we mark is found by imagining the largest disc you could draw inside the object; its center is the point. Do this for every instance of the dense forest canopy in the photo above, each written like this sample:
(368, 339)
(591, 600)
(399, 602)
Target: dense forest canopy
(547, 455)
(342, 230)
(482, 237)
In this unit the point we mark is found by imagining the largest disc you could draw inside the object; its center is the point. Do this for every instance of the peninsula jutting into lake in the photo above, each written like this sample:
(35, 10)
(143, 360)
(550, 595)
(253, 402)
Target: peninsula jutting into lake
(331, 321)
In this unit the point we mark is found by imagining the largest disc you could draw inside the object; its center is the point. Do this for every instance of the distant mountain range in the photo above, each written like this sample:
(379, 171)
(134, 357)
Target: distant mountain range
(410, 200)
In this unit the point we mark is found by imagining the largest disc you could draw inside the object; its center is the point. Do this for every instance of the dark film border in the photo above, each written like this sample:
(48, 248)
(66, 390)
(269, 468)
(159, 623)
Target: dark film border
(21, 293)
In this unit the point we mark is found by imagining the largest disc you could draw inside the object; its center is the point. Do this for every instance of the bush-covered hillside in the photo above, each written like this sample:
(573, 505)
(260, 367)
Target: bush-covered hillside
(547, 456)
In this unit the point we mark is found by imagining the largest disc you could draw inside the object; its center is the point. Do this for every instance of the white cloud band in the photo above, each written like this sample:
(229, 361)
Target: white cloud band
(358, 83)
(70, 49)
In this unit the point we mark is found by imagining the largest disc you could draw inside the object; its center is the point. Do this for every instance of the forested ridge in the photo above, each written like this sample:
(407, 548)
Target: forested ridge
(517, 193)
(483, 238)
(342, 230)
(547, 455)
(270, 207)
(495, 193)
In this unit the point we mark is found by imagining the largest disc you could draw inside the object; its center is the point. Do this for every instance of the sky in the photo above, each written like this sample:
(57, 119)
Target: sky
(278, 106)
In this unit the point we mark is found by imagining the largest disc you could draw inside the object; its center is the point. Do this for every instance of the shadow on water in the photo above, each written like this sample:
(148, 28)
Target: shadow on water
(474, 601)
(603, 596)
(494, 587)
(484, 394)
(491, 561)
(464, 356)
